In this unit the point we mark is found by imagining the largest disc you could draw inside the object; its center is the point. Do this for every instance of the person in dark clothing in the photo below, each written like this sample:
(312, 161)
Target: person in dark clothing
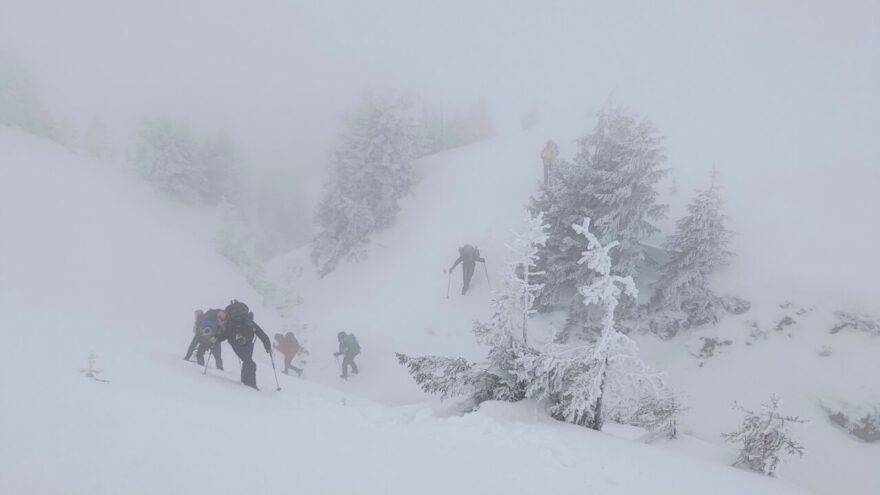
(468, 256)
(348, 348)
(207, 325)
(241, 331)
(289, 346)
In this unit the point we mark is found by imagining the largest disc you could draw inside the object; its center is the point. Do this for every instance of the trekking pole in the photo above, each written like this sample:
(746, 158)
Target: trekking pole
(208, 360)
(272, 358)
(448, 283)
(486, 271)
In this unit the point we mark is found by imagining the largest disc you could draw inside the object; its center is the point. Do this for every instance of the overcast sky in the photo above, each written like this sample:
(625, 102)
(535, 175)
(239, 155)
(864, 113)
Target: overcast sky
(763, 84)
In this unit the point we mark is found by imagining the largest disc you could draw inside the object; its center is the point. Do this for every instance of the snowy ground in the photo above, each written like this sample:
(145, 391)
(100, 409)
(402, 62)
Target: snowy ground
(92, 261)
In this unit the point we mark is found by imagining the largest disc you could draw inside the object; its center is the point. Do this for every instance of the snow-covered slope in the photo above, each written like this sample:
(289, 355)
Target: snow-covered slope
(396, 300)
(92, 262)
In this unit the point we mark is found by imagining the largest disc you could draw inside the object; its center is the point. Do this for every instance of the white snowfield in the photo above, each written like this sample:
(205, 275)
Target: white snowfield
(93, 262)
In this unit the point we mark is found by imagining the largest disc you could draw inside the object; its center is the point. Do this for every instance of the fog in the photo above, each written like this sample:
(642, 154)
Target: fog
(780, 97)
(763, 90)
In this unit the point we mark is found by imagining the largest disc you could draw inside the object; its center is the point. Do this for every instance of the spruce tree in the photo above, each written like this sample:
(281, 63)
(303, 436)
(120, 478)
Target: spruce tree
(372, 171)
(165, 155)
(698, 247)
(613, 180)
(585, 383)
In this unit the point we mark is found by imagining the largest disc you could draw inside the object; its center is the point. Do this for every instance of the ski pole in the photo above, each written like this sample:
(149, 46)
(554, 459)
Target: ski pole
(486, 271)
(208, 360)
(272, 358)
(448, 283)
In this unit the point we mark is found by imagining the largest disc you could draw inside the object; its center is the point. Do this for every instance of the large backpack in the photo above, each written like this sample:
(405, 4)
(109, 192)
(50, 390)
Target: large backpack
(469, 253)
(207, 330)
(239, 322)
(209, 326)
(353, 345)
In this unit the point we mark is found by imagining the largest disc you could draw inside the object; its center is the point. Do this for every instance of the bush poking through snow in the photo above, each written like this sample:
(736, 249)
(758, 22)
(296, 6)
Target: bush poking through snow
(90, 371)
(861, 422)
(765, 436)
(857, 322)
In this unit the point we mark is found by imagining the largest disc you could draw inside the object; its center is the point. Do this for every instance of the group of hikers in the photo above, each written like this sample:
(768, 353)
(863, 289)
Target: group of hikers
(235, 324)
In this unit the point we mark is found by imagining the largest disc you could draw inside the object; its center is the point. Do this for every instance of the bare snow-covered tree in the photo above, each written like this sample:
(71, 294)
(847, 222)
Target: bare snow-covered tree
(612, 180)
(372, 171)
(523, 259)
(764, 436)
(586, 382)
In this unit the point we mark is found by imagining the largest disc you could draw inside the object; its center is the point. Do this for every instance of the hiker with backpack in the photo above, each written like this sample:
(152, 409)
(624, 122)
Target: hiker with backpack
(207, 325)
(468, 256)
(348, 348)
(241, 331)
(289, 347)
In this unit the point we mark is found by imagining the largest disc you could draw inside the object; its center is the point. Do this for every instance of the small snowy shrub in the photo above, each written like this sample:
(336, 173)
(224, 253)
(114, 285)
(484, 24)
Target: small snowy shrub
(90, 371)
(764, 437)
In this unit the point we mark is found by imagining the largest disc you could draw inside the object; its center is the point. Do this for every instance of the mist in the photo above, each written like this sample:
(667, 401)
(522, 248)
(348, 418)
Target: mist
(778, 101)
(781, 97)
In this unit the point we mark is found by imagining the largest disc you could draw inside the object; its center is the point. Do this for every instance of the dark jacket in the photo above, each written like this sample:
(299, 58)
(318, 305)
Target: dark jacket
(468, 255)
(348, 345)
(242, 331)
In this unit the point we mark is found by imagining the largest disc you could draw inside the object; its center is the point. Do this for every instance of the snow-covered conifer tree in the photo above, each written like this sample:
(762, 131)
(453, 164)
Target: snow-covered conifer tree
(371, 172)
(164, 154)
(441, 375)
(586, 382)
(764, 436)
(20, 105)
(698, 247)
(612, 180)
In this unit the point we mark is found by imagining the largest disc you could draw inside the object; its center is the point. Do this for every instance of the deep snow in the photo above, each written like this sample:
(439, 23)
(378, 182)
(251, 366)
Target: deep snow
(92, 261)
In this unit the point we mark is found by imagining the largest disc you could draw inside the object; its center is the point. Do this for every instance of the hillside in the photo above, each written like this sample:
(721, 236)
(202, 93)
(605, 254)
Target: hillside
(396, 300)
(93, 262)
